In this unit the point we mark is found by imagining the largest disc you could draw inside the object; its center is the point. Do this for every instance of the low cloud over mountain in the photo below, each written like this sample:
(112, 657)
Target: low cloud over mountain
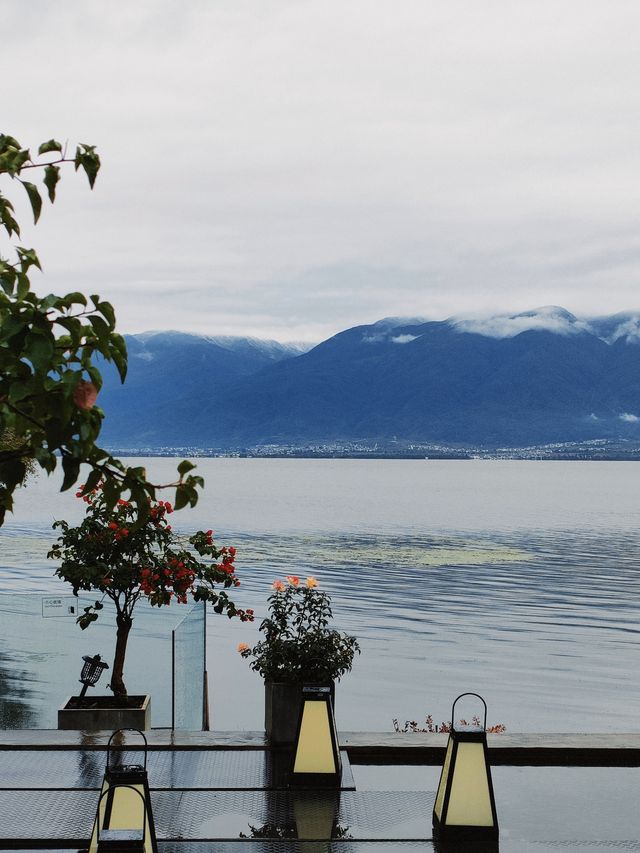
(547, 319)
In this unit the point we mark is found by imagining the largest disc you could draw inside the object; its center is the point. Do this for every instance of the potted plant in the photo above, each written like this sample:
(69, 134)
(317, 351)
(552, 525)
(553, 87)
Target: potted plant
(125, 558)
(298, 648)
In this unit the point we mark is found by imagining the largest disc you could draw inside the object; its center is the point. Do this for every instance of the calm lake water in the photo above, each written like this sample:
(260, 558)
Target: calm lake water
(516, 580)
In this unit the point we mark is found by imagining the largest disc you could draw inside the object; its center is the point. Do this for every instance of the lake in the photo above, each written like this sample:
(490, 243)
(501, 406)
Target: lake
(518, 580)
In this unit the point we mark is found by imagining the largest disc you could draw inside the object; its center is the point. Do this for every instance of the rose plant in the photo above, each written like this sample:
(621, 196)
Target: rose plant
(298, 644)
(125, 559)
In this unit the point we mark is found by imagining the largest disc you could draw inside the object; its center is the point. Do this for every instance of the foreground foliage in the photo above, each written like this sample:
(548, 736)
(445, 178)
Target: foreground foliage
(49, 382)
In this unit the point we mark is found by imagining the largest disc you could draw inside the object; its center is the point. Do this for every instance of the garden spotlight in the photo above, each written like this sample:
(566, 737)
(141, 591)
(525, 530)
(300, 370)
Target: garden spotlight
(91, 672)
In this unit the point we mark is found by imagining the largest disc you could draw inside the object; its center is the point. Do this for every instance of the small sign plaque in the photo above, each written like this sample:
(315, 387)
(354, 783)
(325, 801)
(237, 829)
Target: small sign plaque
(60, 605)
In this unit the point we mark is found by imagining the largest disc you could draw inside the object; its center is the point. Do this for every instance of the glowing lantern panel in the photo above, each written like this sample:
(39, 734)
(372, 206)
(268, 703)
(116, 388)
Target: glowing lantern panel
(316, 754)
(124, 820)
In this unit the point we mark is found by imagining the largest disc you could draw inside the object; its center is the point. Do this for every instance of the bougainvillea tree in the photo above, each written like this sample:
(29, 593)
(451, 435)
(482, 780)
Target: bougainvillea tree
(108, 553)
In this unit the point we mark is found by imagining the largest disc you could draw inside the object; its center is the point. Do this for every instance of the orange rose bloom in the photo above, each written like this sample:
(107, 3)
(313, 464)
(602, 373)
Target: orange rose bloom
(293, 580)
(278, 586)
(311, 582)
(242, 647)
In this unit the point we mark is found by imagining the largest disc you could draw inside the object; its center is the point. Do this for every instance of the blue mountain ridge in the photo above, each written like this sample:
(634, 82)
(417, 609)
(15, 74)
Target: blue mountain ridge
(509, 380)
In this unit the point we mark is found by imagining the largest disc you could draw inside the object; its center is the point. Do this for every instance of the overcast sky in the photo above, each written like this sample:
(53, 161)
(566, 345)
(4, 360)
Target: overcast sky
(288, 169)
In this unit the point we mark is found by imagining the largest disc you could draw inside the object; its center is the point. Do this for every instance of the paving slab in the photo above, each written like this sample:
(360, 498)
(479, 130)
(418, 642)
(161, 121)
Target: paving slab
(174, 769)
(67, 816)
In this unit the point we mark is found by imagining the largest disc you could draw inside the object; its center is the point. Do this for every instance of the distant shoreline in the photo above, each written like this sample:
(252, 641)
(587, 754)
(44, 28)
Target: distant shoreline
(505, 455)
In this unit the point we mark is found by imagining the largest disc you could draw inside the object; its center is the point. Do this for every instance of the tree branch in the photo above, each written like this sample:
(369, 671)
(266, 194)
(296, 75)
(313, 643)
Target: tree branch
(41, 165)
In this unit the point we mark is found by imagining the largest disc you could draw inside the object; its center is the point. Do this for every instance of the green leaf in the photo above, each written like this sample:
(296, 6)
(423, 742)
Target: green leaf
(87, 158)
(7, 277)
(95, 375)
(51, 145)
(92, 480)
(111, 491)
(39, 351)
(7, 142)
(71, 468)
(181, 498)
(185, 466)
(86, 619)
(24, 285)
(119, 342)
(100, 328)
(121, 364)
(51, 178)
(28, 258)
(12, 472)
(50, 301)
(10, 224)
(74, 298)
(12, 160)
(34, 197)
(106, 309)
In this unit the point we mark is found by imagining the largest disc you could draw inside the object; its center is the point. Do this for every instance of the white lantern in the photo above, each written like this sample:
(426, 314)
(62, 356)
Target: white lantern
(316, 758)
(465, 807)
(124, 820)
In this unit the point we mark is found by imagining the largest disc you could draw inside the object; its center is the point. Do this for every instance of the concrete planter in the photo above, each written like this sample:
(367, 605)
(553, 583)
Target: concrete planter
(101, 713)
(282, 701)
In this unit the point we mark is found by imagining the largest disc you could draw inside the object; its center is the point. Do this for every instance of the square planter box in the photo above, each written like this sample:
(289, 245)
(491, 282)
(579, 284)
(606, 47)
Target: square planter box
(101, 713)
(282, 705)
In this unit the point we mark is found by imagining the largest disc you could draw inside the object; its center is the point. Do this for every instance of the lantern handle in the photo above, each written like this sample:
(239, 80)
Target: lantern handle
(117, 732)
(455, 701)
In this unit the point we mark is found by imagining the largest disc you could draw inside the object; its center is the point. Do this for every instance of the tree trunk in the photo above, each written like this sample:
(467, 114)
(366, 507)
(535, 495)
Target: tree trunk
(124, 626)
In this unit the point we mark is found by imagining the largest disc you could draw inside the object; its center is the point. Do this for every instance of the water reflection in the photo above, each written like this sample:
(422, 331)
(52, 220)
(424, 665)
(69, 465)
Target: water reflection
(91, 766)
(16, 712)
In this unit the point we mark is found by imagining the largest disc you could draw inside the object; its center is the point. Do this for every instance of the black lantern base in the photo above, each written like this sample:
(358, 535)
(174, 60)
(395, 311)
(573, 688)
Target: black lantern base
(461, 839)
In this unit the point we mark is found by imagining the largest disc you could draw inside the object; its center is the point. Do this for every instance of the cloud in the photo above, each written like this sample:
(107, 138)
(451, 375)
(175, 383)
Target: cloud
(628, 418)
(549, 319)
(435, 165)
(404, 339)
(629, 330)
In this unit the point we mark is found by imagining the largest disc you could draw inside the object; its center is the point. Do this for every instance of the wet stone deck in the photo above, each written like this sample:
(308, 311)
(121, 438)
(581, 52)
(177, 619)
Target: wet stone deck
(224, 792)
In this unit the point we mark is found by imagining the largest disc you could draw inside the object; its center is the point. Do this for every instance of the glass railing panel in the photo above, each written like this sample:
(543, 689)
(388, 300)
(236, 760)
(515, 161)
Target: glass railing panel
(189, 666)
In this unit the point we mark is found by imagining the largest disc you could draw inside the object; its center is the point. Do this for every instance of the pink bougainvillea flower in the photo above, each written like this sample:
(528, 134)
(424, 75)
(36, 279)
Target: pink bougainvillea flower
(278, 586)
(311, 582)
(85, 395)
(293, 580)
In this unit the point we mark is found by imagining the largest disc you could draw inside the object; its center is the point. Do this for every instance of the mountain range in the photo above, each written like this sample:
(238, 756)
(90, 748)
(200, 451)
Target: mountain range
(507, 380)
